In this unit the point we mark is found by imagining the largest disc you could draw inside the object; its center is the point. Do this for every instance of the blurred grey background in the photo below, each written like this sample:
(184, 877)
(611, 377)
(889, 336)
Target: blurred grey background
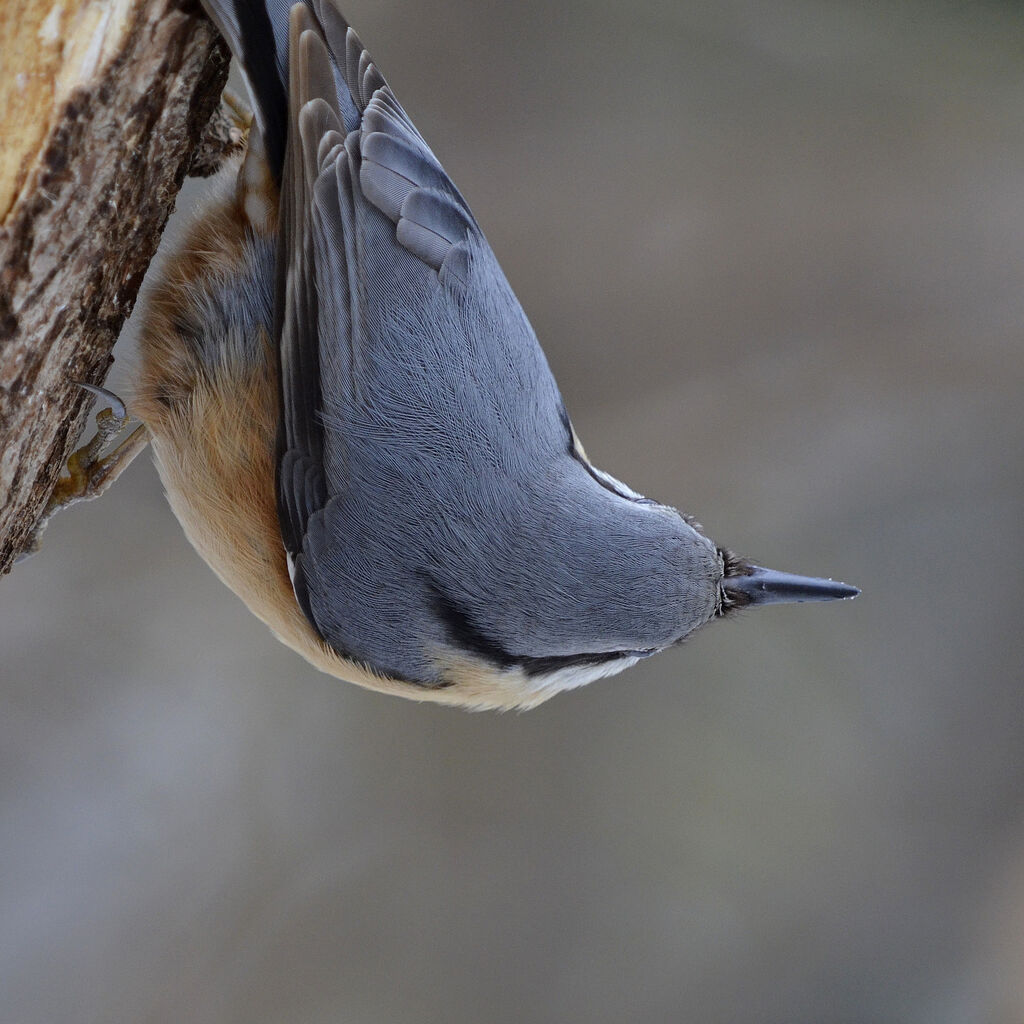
(774, 253)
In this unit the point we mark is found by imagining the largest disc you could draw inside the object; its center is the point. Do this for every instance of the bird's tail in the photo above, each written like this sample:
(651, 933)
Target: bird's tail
(257, 34)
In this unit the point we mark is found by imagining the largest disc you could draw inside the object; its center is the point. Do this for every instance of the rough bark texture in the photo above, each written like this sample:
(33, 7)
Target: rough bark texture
(103, 104)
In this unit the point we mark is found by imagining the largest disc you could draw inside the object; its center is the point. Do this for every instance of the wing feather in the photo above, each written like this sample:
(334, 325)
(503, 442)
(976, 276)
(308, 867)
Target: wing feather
(349, 146)
(404, 355)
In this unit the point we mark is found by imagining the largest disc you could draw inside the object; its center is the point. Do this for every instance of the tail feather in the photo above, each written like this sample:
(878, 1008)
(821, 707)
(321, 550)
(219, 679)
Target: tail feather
(257, 34)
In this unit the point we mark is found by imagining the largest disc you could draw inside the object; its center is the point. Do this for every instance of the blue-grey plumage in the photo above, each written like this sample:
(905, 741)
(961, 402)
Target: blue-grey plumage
(432, 497)
(441, 523)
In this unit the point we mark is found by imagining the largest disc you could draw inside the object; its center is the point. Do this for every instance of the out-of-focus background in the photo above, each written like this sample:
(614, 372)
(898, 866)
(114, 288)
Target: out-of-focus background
(775, 255)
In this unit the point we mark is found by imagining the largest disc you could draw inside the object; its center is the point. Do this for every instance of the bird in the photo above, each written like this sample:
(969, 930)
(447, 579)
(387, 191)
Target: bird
(356, 426)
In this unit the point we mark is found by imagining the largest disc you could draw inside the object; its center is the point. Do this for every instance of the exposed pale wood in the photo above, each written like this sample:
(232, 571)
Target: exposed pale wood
(102, 105)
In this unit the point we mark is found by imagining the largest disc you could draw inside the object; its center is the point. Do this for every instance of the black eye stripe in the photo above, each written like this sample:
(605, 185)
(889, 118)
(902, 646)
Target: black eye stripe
(464, 632)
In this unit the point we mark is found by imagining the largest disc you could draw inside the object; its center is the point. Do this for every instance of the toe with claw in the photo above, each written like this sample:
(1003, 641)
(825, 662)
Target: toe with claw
(88, 471)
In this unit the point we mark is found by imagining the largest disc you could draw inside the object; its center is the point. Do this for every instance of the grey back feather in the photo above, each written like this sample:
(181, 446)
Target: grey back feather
(431, 496)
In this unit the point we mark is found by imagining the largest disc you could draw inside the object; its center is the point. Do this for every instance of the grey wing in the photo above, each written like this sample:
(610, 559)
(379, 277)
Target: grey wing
(408, 370)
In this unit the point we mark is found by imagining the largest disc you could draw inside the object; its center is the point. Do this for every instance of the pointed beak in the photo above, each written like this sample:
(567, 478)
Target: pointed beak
(766, 586)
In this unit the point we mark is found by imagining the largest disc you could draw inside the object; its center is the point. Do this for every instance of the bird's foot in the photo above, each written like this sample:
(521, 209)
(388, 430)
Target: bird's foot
(89, 473)
(225, 134)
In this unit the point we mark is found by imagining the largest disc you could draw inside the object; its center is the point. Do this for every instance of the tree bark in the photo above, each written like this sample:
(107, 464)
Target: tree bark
(102, 105)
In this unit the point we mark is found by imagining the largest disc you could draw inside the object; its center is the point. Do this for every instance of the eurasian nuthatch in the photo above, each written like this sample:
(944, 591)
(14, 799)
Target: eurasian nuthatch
(357, 428)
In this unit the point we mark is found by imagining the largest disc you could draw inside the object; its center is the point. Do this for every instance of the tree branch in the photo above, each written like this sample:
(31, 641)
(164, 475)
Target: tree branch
(104, 104)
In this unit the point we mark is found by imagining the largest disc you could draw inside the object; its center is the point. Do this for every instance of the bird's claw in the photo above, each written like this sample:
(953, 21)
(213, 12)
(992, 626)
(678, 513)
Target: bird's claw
(89, 473)
(225, 134)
